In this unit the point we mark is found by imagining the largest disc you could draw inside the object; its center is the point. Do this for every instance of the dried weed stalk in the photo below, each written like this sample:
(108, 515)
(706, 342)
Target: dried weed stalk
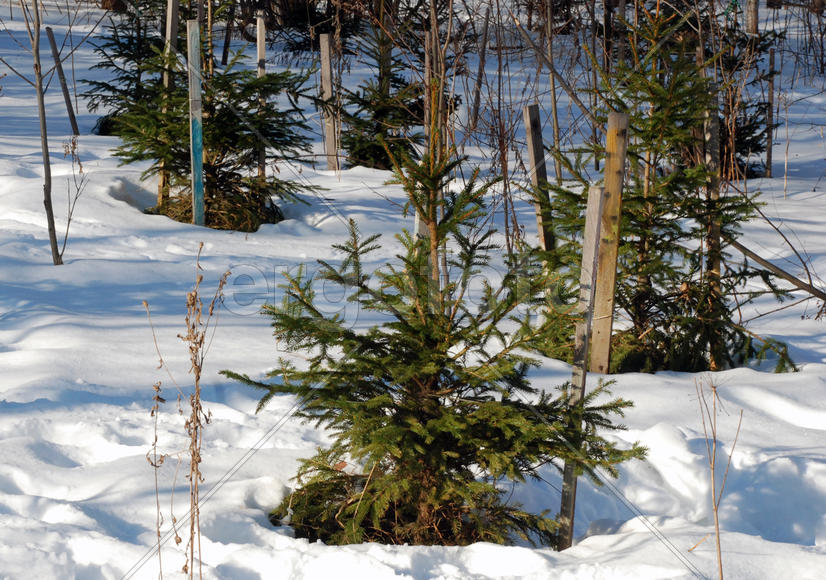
(200, 328)
(709, 414)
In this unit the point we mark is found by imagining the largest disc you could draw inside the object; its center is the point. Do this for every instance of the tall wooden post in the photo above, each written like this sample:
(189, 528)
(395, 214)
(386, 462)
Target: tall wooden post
(770, 116)
(428, 93)
(616, 146)
(62, 78)
(588, 279)
(549, 33)
(228, 34)
(480, 73)
(196, 127)
(539, 176)
(170, 38)
(751, 16)
(170, 46)
(328, 115)
(261, 50)
(592, 12)
(620, 26)
(713, 247)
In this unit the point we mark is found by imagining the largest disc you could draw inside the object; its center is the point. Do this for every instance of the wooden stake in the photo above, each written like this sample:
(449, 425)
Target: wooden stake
(549, 33)
(588, 280)
(770, 116)
(228, 34)
(170, 46)
(428, 93)
(261, 38)
(621, 33)
(713, 250)
(751, 16)
(62, 78)
(594, 75)
(196, 127)
(330, 141)
(480, 73)
(170, 37)
(539, 176)
(616, 146)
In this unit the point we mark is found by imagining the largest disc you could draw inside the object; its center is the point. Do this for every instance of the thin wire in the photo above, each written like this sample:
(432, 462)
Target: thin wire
(648, 524)
(620, 496)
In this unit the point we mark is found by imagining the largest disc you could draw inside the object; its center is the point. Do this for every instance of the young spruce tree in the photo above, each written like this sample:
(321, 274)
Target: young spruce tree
(130, 40)
(381, 113)
(677, 316)
(239, 116)
(240, 111)
(431, 408)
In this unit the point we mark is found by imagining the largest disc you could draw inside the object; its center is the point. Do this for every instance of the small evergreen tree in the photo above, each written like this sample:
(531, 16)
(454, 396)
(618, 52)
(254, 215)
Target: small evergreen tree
(743, 130)
(240, 114)
(235, 126)
(381, 113)
(431, 408)
(130, 40)
(676, 320)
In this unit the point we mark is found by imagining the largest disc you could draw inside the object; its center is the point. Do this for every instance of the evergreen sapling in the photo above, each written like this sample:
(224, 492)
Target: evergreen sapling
(431, 408)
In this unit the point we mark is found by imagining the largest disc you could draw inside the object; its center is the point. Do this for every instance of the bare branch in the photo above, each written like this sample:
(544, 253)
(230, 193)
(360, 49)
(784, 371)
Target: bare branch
(16, 72)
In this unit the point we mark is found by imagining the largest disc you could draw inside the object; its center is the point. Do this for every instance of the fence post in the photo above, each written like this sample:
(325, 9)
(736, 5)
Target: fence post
(770, 116)
(62, 78)
(539, 176)
(588, 279)
(261, 51)
(328, 114)
(196, 127)
(170, 46)
(228, 34)
(616, 146)
(713, 247)
(480, 74)
(751, 16)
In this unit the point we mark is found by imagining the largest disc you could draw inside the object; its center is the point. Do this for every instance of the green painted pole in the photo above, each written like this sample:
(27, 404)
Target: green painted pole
(196, 125)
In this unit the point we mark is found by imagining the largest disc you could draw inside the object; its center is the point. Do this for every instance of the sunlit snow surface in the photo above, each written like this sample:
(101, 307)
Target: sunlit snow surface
(77, 494)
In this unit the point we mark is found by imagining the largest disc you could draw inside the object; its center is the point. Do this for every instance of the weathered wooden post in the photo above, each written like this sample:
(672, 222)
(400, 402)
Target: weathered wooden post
(480, 73)
(62, 78)
(713, 247)
(170, 46)
(616, 146)
(588, 279)
(328, 115)
(751, 16)
(228, 34)
(196, 127)
(539, 176)
(549, 34)
(770, 116)
(261, 50)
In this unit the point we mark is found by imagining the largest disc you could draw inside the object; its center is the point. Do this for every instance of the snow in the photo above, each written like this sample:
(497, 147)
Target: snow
(78, 359)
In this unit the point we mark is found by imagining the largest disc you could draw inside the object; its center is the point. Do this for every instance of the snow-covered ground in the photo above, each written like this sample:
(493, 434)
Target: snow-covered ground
(78, 362)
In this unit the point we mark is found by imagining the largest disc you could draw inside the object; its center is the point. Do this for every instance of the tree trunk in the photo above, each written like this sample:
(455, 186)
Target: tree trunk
(44, 139)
